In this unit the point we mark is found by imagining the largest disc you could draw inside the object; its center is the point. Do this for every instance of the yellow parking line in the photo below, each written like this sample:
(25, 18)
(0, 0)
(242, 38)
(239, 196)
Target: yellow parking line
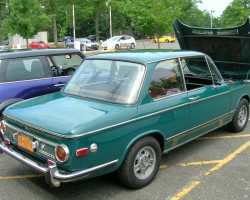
(228, 158)
(224, 137)
(20, 176)
(186, 190)
(220, 164)
(200, 163)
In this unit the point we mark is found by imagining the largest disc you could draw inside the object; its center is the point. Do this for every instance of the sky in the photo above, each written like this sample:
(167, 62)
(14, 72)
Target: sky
(218, 6)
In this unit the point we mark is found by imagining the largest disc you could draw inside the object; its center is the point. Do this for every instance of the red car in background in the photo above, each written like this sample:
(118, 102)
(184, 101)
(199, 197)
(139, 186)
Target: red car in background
(39, 44)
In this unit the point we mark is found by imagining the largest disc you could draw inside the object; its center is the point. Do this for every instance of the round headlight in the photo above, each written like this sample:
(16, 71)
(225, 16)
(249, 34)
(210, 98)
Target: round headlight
(62, 153)
(2, 127)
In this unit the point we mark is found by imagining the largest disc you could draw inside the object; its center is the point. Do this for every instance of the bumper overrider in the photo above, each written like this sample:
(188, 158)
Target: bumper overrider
(52, 174)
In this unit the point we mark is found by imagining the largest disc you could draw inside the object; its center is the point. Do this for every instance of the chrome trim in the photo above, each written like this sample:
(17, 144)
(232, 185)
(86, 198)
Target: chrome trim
(197, 127)
(203, 99)
(12, 82)
(111, 126)
(66, 149)
(31, 135)
(54, 176)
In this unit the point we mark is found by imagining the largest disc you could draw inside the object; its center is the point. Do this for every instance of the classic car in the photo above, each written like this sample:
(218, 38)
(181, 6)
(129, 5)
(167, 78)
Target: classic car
(39, 45)
(165, 39)
(30, 73)
(119, 42)
(120, 112)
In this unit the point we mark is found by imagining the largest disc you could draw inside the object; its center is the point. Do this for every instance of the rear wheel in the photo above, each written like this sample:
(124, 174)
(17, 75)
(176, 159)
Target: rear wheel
(117, 46)
(240, 119)
(132, 46)
(167, 41)
(141, 163)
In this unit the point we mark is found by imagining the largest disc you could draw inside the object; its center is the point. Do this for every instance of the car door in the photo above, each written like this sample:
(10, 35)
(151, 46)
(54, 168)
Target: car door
(168, 112)
(208, 95)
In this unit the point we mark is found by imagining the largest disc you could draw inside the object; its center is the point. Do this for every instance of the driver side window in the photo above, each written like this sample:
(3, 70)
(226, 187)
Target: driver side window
(166, 79)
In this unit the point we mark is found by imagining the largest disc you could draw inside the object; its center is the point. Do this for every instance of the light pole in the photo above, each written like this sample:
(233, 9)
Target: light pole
(73, 16)
(110, 18)
(211, 16)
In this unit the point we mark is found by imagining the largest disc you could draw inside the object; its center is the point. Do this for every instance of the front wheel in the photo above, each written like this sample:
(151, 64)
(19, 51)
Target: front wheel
(240, 119)
(132, 46)
(141, 163)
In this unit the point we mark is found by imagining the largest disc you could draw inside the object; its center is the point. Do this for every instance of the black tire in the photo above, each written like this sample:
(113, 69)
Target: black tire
(141, 163)
(132, 46)
(82, 47)
(167, 41)
(154, 41)
(240, 119)
(117, 46)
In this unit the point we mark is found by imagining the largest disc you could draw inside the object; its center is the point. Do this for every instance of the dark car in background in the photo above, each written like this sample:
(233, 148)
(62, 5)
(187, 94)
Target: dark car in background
(66, 38)
(93, 38)
(85, 44)
(31, 73)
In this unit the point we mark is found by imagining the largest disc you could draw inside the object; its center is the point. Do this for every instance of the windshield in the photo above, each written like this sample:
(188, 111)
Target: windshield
(107, 80)
(115, 38)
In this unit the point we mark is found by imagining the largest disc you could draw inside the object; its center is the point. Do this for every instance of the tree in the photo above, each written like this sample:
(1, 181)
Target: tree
(26, 18)
(236, 13)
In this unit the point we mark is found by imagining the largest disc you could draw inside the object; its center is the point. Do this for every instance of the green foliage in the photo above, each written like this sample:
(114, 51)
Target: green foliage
(132, 17)
(236, 13)
(25, 21)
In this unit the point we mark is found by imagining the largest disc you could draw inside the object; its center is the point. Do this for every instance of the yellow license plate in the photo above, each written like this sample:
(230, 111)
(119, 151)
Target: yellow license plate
(25, 142)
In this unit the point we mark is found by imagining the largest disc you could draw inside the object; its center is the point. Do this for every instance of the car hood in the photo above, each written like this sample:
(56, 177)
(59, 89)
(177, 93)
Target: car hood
(226, 46)
(69, 116)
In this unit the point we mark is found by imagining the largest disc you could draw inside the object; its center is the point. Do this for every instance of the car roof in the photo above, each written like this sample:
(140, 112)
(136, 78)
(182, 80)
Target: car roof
(145, 56)
(40, 52)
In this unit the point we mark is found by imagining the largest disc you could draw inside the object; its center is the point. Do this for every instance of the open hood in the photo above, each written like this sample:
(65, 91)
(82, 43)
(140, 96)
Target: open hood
(228, 47)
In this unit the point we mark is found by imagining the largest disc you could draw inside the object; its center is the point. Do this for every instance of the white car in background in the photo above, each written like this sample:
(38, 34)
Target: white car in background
(119, 42)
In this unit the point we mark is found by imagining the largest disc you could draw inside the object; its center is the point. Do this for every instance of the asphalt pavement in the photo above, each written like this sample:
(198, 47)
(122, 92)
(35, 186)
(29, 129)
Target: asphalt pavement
(213, 167)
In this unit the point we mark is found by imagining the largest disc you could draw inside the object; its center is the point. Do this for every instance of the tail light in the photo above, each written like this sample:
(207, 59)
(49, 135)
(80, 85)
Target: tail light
(62, 153)
(2, 127)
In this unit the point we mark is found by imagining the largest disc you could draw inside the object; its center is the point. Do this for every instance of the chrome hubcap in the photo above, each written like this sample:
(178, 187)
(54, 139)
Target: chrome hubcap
(242, 117)
(144, 163)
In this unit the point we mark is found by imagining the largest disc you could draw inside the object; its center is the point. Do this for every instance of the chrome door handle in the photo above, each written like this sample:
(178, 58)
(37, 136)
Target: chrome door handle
(59, 84)
(194, 98)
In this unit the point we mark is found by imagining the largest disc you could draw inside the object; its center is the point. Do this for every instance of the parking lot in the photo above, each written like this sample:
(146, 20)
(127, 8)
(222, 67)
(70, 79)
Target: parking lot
(215, 166)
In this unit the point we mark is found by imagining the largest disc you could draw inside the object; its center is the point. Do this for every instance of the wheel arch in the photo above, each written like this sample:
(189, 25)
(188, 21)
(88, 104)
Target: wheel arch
(155, 134)
(246, 97)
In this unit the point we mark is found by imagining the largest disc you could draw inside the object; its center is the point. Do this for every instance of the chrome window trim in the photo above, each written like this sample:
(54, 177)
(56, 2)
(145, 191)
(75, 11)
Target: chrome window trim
(12, 82)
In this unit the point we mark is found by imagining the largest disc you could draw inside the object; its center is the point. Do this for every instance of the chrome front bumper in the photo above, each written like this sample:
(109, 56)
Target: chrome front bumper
(54, 176)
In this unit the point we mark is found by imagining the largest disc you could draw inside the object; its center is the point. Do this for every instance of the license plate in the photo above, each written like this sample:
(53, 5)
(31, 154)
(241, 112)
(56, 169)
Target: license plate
(25, 142)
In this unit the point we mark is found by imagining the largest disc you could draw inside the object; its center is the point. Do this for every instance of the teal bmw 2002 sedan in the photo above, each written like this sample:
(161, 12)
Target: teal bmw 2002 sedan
(120, 112)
